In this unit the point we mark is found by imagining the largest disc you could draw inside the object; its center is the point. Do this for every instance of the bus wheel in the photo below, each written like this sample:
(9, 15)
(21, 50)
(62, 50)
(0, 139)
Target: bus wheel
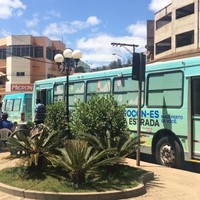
(169, 153)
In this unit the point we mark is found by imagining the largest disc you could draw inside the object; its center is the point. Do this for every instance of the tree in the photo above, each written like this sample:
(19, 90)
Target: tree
(56, 118)
(97, 116)
(101, 122)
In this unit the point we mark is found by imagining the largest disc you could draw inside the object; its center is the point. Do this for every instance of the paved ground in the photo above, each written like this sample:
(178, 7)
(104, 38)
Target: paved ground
(168, 184)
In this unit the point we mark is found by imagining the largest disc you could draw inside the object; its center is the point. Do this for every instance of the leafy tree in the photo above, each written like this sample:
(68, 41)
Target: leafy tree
(56, 118)
(102, 123)
(97, 116)
(79, 69)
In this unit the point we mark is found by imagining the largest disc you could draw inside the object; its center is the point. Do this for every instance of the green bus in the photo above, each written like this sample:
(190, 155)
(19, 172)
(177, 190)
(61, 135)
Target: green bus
(170, 114)
(18, 106)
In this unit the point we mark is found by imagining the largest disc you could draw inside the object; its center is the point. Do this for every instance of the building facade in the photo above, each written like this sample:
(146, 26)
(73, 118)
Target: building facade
(25, 59)
(176, 30)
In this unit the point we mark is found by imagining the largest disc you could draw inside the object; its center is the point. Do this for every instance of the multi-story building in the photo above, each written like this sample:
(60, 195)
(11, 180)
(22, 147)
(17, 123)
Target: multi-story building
(176, 30)
(25, 59)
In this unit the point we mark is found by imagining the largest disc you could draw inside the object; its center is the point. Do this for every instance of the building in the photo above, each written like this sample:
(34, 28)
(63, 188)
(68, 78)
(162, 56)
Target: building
(176, 30)
(25, 59)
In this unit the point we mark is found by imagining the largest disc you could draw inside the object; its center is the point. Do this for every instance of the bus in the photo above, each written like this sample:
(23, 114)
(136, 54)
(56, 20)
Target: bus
(170, 104)
(18, 106)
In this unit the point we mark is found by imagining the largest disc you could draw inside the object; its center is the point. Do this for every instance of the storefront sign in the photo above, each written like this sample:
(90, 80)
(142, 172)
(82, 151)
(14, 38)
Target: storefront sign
(22, 87)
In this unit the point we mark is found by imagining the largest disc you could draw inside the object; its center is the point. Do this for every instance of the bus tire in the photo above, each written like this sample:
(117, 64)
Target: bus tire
(169, 153)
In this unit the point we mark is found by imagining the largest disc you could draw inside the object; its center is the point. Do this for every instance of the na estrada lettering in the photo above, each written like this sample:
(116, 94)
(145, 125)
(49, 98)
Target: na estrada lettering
(152, 114)
(144, 122)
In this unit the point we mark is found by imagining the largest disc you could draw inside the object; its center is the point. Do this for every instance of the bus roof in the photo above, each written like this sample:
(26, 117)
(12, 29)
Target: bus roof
(17, 95)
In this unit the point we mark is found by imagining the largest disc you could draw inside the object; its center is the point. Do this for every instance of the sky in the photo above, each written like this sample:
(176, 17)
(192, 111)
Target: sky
(88, 25)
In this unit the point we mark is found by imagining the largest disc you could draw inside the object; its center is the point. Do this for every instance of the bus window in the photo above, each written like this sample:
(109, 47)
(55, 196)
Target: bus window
(28, 104)
(196, 96)
(161, 90)
(126, 91)
(16, 105)
(100, 87)
(58, 92)
(8, 105)
(76, 93)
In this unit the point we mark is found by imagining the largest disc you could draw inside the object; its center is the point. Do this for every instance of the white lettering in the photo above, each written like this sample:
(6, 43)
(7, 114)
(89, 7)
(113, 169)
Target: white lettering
(18, 87)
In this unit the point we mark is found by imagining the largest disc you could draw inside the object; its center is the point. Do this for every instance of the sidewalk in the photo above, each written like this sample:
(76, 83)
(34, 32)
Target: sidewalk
(168, 184)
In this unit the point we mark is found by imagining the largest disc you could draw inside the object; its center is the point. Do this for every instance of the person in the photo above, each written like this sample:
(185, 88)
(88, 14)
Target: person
(40, 112)
(5, 123)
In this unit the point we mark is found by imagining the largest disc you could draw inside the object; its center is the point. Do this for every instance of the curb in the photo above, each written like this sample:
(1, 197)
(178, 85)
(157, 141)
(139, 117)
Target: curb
(108, 195)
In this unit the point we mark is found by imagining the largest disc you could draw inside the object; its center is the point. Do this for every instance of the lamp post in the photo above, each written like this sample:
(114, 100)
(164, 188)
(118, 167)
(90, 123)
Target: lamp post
(116, 54)
(64, 63)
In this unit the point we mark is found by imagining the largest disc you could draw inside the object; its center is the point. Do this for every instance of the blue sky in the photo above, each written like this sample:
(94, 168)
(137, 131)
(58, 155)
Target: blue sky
(88, 25)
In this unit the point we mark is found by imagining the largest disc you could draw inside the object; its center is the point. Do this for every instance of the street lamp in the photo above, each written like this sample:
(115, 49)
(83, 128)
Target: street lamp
(116, 54)
(64, 62)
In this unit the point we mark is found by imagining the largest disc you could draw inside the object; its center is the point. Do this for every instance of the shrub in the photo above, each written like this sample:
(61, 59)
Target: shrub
(32, 145)
(56, 118)
(79, 159)
(97, 116)
(102, 123)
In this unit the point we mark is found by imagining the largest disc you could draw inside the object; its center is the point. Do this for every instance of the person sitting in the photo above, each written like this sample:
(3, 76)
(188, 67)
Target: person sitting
(5, 123)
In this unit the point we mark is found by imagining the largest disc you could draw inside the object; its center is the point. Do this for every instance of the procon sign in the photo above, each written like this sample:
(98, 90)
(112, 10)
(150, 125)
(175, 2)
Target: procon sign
(22, 87)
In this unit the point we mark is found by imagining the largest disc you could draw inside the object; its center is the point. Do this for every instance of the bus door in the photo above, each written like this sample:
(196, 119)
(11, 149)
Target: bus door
(45, 93)
(195, 117)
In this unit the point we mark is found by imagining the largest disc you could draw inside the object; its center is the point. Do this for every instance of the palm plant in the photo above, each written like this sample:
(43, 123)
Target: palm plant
(124, 144)
(32, 145)
(80, 159)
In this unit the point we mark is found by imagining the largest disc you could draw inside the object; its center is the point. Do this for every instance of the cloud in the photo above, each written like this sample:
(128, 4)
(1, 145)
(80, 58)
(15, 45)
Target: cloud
(9, 8)
(96, 47)
(91, 21)
(138, 30)
(157, 5)
(97, 50)
(56, 30)
(52, 14)
(32, 22)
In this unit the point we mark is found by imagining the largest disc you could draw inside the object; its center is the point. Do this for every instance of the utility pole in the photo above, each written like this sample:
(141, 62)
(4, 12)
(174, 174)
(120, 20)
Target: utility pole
(138, 73)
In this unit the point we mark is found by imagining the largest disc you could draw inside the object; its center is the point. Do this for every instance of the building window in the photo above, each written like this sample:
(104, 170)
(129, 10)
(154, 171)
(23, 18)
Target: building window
(27, 50)
(20, 73)
(164, 20)
(185, 39)
(185, 11)
(38, 52)
(49, 53)
(56, 51)
(2, 53)
(20, 50)
(163, 45)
